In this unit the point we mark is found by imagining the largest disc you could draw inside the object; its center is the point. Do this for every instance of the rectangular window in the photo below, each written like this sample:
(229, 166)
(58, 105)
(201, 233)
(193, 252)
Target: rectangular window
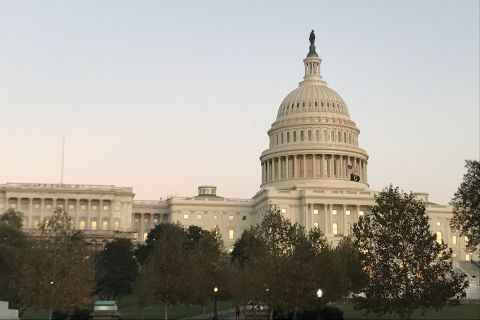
(2, 206)
(230, 217)
(48, 206)
(35, 223)
(467, 257)
(116, 225)
(360, 213)
(145, 236)
(83, 207)
(36, 205)
(13, 205)
(104, 224)
(105, 207)
(284, 210)
(466, 240)
(93, 225)
(315, 211)
(71, 206)
(155, 220)
(135, 236)
(185, 216)
(82, 225)
(334, 229)
(230, 234)
(454, 240)
(347, 212)
(199, 216)
(215, 217)
(334, 212)
(244, 218)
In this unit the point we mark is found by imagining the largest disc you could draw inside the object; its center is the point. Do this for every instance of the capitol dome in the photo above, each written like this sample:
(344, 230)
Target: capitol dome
(313, 140)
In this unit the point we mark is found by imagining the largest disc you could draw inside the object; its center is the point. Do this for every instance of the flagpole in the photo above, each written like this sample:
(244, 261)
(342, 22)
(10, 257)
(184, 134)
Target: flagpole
(63, 160)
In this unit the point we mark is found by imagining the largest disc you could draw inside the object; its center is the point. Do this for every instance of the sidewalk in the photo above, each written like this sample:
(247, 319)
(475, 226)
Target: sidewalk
(228, 314)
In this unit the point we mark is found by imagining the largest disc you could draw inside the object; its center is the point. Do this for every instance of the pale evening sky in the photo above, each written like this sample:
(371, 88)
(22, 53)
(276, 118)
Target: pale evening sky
(163, 96)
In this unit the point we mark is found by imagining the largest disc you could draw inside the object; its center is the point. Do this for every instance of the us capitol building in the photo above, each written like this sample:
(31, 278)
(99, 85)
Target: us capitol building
(306, 171)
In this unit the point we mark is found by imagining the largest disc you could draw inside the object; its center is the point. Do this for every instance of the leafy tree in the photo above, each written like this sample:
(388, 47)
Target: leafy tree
(56, 272)
(143, 250)
(466, 206)
(407, 268)
(12, 242)
(163, 274)
(351, 264)
(116, 270)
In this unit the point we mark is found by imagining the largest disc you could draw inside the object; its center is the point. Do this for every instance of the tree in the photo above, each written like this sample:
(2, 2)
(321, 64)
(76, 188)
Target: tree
(351, 264)
(143, 250)
(56, 272)
(163, 274)
(407, 268)
(466, 206)
(116, 270)
(12, 242)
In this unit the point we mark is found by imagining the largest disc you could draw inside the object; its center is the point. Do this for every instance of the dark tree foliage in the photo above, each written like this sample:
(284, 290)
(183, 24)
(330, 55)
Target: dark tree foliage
(143, 250)
(407, 268)
(12, 242)
(350, 261)
(466, 206)
(116, 270)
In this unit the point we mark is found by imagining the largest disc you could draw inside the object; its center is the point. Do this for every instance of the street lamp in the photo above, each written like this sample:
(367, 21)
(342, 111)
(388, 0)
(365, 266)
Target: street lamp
(319, 293)
(215, 313)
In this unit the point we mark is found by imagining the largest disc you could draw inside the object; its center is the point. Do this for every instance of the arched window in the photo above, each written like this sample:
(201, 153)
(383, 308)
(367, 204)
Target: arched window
(281, 138)
(302, 137)
(339, 136)
(277, 140)
(332, 135)
(344, 137)
(309, 135)
(350, 137)
(294, 136)
(288, 137)
(317, 135)
(325, 136)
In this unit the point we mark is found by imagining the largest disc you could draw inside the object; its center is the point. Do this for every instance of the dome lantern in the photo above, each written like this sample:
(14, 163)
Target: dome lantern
(312, 64)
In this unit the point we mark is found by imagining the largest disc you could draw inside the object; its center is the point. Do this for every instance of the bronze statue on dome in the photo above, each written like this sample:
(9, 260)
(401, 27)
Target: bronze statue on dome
(312, 37)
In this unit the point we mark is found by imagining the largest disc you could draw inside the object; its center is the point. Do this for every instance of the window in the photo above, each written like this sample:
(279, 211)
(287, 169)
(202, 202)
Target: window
(215, 217)
(93, 224)
(283, 210)
(466, 240)
(116, 225)
(94, 207)
(230, 234)
(332, 135)
(83, 207)
(439, 223)
(244, 218)
(335, 229)
(360, 213)
(185, 216)
(315, 225)
(145, 236)
(135, 236)
(146, 219)
(2, 205)
(36, 205)
(294, 136)
(199, 216)
(105, 207)
(35, 222)
(230, 217)
(71, 206)
(467, 257)
(347, 212)
(439, 237)
(454, 240)
(316, 104)
(104, 224)
(315, 211)
(281, 138)
(155, 220)
(334, 212)
(349, 228)
(137, 219)
(302, 137)
(288, 137)
(82, 225)
(317, 135)
(309, 135)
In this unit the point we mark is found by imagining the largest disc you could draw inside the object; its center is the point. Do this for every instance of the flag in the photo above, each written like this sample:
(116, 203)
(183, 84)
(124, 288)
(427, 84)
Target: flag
(353, 173)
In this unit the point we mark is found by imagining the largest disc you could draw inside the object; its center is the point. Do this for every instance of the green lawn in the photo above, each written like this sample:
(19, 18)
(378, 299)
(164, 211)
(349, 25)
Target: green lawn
(463, 311)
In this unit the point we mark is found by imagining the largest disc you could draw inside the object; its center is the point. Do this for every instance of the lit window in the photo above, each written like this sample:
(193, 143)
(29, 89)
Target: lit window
(334, 212)
(454, 240)
(439, 223)
(244, 218)
(116, 225)
(35, 223)
(284, 210)
(349, 228)
(71, 206)
(360, 213)
(146, 219)
(94, 207)
(36, 205)
(104, 224)
(185, 216)
(467, 257)
(82, 225)
(155, 220)
(230, 217)
(315, 211)
(454, 255)
(105, 207)
(466, 240)
(137, 220)
(13, 205)
(83, 207)
(199, 216)
(347, 212)
(2, 205)
(315, 225)
(439, 237)
(48, 206)
(230, 250)
(230, 234)
(135, 235)
(215, 217)
(334, 228)
(145, 236)
(93, 224)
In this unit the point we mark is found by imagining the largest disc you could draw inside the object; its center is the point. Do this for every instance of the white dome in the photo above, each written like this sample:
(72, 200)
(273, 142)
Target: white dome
(312, 97)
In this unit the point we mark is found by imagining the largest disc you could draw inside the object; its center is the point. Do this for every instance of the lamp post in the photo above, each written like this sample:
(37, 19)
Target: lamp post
(215, 312)
(319, 296)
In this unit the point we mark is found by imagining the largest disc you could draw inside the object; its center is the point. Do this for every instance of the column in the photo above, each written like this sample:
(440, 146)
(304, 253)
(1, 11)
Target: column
(89, 208)
(358, 212)
(325, 218)
(330, 162)
(323, 167)
(344, 218)
(286, 167)
(366, 175)
(313, 165)
(30, 213)
(304, 165)
(295, 171)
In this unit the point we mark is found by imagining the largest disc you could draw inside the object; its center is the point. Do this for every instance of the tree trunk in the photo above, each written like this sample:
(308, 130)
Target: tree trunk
(204, 308)
(165, 315)
(271, 314)
(143, 310)
(50, 314)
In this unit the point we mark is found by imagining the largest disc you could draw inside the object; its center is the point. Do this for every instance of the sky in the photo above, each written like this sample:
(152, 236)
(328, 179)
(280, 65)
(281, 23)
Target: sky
(163, 96)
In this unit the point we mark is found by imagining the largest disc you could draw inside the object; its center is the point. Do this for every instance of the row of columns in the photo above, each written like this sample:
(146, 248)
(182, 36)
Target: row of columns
(30, 212)
(143, 226)
(320, 166)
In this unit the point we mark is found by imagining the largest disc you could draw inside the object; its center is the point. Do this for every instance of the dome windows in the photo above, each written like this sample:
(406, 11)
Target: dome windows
(309, 135)
(317, 135)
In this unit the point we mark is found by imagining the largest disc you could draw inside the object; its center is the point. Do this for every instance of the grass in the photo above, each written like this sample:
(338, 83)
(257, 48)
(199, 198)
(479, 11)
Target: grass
(463, 311)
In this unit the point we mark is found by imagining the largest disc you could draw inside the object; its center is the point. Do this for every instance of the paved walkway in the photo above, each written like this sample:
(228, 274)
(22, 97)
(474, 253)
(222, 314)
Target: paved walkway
(228, 314)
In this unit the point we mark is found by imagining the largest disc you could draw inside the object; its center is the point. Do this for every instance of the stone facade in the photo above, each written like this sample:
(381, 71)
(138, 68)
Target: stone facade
(306, 171)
